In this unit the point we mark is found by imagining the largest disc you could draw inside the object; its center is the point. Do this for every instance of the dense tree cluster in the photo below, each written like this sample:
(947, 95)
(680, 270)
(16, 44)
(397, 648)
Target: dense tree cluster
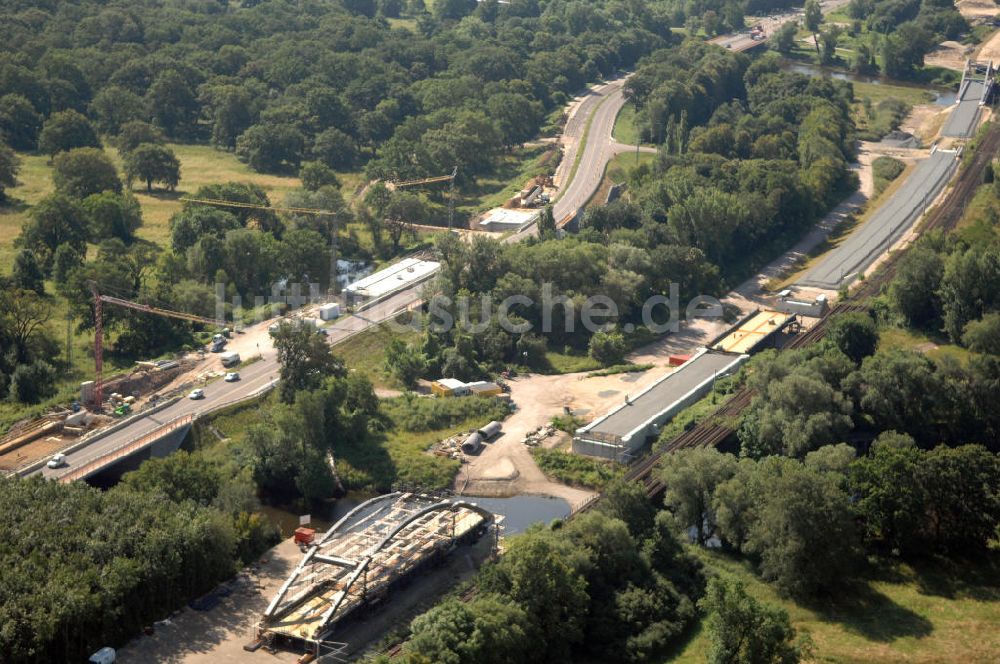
(593, 586)
(806, 523)
(813, 397)
(85, 568)
(29, 358)
(905, 31)
(951, 284)
(752, 156)
(282, 82)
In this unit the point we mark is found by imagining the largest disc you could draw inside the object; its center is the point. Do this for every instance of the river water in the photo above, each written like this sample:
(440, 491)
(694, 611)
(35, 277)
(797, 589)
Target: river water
(942, 97)
(519, 512)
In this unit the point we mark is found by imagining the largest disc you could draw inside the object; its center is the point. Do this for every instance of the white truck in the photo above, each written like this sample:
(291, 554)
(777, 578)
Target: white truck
(230, 359)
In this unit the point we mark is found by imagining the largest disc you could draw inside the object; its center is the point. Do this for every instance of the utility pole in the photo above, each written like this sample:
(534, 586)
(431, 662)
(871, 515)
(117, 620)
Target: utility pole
(69, 337)
(451, 199)
(334, 288)
(98, 348)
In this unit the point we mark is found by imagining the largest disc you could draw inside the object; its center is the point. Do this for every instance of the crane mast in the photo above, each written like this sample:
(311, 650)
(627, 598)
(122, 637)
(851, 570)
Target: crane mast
(99, 301)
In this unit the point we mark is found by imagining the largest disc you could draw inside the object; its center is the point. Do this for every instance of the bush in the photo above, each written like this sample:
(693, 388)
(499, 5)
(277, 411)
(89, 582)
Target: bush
(31, 383)
(576, 469)
(884, 171)
(416, 414)
(608, 348)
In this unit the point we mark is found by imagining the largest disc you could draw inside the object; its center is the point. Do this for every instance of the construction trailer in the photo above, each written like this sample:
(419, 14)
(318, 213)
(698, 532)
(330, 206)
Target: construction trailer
(452, 387)
(361, 559)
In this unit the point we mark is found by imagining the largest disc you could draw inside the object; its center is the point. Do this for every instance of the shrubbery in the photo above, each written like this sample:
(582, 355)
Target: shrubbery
(884, 171)
(413, 413)
(575, 469)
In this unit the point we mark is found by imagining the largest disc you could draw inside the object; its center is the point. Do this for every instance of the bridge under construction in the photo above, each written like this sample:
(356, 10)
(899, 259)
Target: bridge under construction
(974, 92)
(359, 560)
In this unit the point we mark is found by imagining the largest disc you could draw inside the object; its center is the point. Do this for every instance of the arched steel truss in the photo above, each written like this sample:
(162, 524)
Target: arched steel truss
(357, 567)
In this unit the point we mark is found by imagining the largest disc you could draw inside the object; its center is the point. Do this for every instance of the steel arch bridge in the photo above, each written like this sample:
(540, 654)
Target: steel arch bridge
(377, 543)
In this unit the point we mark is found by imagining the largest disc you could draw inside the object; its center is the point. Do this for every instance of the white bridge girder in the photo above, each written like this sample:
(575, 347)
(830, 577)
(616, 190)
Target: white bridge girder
(329, 571)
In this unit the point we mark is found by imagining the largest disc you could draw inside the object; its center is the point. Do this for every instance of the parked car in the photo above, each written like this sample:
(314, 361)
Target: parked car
(232, 376)
(57, 461)
(197, 394)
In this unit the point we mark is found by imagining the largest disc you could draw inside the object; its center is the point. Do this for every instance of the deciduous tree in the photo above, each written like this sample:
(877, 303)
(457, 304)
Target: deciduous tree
(10, 164)
(305, 359)
(151, 163)
(81, 172)
(744, 631)
(55, 220)
(66, 130)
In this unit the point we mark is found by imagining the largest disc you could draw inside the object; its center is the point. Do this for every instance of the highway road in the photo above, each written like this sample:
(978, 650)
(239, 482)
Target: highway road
(854, 255)
(254, 378)
(603, 105)
(962, 121)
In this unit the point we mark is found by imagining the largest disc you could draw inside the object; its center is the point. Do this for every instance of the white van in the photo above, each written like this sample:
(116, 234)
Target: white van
(230, 359)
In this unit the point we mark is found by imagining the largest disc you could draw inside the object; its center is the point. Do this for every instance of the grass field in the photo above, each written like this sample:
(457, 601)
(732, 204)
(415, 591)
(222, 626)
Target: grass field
(365, 353)
(200, 165)
(932, 612)
(625, 130)
(877, 92)
(935, 347)
(975, 225)
(515, 169)
(619, 167)
(575, 469)
(33, 182)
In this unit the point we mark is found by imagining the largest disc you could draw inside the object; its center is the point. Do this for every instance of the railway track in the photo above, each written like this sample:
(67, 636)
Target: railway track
(945, 217)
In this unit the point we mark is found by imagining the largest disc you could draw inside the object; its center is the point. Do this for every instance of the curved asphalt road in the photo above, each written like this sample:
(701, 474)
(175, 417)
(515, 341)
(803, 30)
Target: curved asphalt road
(602, 103)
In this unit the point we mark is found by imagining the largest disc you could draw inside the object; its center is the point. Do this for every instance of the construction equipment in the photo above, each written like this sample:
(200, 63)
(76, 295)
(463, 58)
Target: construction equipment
(99, 301)
(334, 286)
(434, 180)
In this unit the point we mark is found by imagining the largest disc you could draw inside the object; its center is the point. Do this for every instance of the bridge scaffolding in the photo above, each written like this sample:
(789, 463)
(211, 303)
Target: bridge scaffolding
(361, 558)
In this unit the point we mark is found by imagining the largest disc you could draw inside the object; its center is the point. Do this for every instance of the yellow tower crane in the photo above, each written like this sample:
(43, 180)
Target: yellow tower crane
(334, 285)
(434, 180)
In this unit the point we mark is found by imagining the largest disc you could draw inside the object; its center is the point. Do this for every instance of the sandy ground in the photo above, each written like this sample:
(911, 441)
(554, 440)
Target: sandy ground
(925, 121)
(990, 49)
(977, 8)
(950, 55)
(219, 635)
(505, 467)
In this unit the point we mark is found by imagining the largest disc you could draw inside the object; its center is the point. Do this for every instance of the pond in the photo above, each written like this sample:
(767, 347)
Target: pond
(519, 512)
(942, 97)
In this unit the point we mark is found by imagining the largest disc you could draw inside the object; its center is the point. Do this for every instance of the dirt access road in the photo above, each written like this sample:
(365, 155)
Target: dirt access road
(505, 467)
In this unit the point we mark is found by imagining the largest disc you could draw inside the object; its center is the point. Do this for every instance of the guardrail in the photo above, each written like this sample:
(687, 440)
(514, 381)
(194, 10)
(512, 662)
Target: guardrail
(135, 444)
(127, 448)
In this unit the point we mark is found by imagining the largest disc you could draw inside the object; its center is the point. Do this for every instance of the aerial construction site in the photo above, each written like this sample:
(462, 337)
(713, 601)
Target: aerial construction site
(359, 559)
